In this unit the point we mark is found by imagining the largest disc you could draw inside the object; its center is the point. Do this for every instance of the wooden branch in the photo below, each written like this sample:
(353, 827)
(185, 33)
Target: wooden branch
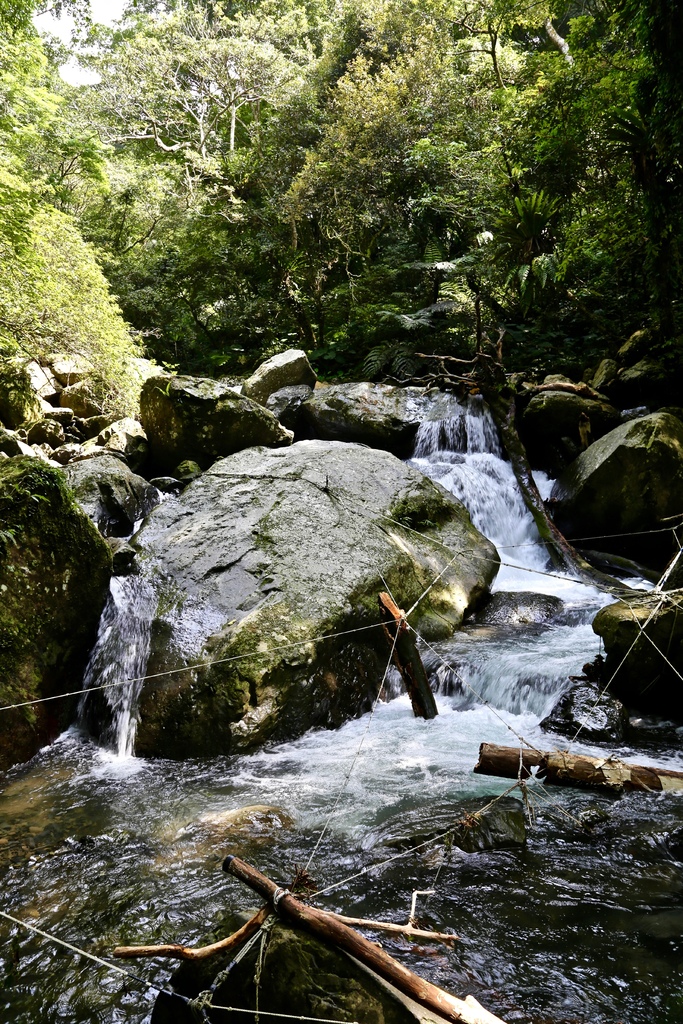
(176, 952)
(564, 769)
(406, 658)
(396, 929)
(333, 932)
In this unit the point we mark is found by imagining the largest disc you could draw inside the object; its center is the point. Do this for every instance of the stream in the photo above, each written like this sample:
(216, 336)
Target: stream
(576, 927)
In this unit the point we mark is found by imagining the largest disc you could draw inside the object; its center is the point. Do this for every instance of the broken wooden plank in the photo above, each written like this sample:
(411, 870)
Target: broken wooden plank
(177, 952)
(406, 658)
(330, 930)
(565, 769)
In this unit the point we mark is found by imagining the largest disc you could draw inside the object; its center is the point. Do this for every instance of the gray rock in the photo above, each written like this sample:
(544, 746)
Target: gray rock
(63, 416)
(601, 717)
(635, 348)
(472, 825)
(286, 403)
(66, 453)
(112, 495)
(91, 426)
(18, 401)
(69, 370)
(648, 382)
(123, 555)
(201, 419)
(273, 546)
(286, 369)
(80, 398)
(127, 437)
(47, 431)
(629, 481)
(550, 427)
(10, 444)
(167, 484)
(378, 415)
(520, 608)
(43, 380)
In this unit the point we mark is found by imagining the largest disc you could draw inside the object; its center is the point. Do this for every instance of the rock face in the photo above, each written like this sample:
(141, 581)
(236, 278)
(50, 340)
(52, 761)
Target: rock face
(200, 419)
(54, 575)
(110, 494)
(285, 370)
(378, 415)
(645, 681)
(18, 401)
(270, 547)
(551, 424)
(302, 977)
(600, 717)
(628, 481)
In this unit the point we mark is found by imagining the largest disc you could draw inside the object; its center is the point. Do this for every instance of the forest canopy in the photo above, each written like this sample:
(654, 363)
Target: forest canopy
(365, 179)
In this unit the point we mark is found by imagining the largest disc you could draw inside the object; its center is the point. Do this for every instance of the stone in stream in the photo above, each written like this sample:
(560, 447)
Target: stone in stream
(518, 608)
(54, 575)
(201, 419)
(111, 495)
(379, 415)
(628, 482)
(550, 427)
(474, 826)
(600, 717)
(274, 546)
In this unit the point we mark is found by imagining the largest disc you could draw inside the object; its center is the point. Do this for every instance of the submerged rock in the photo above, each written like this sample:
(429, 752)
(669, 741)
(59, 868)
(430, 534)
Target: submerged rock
(629, 481)
(270, 547)
(200, 419)
(54, 574)
(110, 494)
(287, 369)
(379, 415)
(644, 673)
(520, 608)
(600, 717)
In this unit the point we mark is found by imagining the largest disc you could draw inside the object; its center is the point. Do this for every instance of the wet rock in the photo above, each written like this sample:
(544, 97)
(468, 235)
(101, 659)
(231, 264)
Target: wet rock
(128, 438)
(627, 482)
(553, 423)
(287, 369)
(123, 555)
(112, 496)
(300, 976)
(201, 419)
(286, 404)
(600, 717)
(254, 826)
(47, 431)
(520, 608)
(81, 399)
(379, 415)
(18, 401)
(499, 826)
(187, 471)
(484, 823)
(54, 577)
(645, 671)
(270, 546)
(167, 484)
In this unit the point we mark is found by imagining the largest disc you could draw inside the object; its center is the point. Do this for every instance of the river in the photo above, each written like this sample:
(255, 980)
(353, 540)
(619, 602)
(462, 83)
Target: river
(99, 848)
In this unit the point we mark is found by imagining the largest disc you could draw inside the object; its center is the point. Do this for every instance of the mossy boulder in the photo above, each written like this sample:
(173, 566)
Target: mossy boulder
(202, 420)
(379, 415)
(628, 482)
(648, 382)
(274, 546)
(18, 401)
(287, 369)
(551, 427)
(54, 576)
(643, 672)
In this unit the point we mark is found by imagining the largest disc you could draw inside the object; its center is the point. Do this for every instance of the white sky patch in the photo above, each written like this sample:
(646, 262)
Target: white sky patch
(106, 12)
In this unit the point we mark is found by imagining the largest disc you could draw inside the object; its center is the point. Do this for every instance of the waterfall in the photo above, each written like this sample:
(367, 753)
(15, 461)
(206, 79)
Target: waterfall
(120, 654)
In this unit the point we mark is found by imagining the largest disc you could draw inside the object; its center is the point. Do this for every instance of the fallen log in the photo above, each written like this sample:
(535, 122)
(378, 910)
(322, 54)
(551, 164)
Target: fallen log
(177, 952)
(406, 658)
(562, 768)
(332, 931)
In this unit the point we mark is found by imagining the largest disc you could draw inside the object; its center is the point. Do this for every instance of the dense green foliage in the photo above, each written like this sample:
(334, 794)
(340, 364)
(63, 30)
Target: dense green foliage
(367, 179)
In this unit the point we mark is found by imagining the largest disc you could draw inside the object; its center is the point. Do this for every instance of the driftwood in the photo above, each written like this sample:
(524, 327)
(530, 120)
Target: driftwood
(406, 658)
(565, 769)
(584, 390)
(176, 952)
(333, 932)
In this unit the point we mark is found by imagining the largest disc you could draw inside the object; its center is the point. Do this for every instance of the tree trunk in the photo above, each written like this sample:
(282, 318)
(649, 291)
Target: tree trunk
(406, 658)
(333, 932)
(564, 769)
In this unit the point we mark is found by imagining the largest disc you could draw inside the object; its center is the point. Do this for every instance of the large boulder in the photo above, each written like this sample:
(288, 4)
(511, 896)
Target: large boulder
(286, 405)
(54, 576)
(203, 420)
(127, 437)
(644, 672)
(648, 382)
(628, 482)
(379, 415)
(270, 549)
(81, 399)
(287, 369)
(110, 494)
(18, 401)
(552, 426)
(520, 608)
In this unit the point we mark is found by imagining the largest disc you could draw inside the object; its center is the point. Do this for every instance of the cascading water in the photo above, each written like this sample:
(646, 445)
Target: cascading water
(120, 653)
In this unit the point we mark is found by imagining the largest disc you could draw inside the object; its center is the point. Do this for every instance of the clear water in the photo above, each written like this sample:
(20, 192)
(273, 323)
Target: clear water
(101, 848)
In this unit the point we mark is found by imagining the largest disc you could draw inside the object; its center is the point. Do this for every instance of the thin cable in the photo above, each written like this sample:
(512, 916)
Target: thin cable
(282, 1016)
